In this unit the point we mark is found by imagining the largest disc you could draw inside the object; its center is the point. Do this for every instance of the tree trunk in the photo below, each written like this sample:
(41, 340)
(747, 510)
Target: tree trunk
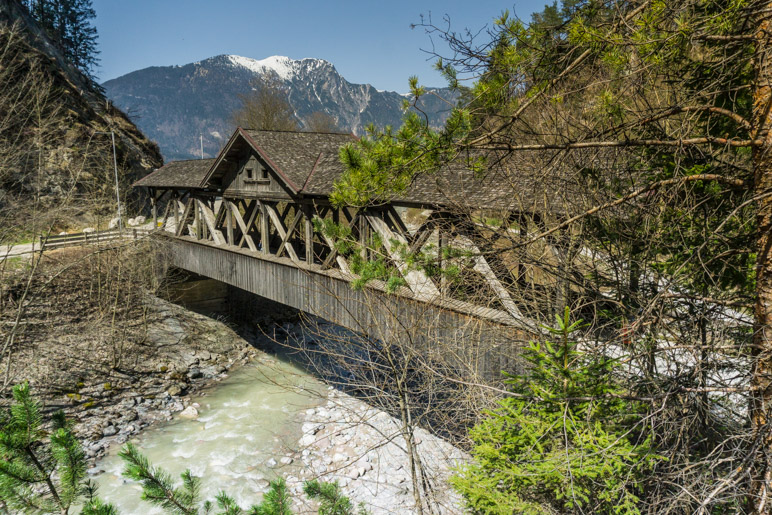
(761, 381)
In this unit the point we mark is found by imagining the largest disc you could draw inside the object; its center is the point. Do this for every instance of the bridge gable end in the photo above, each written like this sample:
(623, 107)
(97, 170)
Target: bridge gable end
(251, 176)
(243, 169)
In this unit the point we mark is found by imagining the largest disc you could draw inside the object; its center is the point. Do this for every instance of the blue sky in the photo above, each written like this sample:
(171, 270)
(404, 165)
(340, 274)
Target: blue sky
(367, 41)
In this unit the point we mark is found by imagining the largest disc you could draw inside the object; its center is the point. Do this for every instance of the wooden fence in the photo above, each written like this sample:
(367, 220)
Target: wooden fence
(88, 238)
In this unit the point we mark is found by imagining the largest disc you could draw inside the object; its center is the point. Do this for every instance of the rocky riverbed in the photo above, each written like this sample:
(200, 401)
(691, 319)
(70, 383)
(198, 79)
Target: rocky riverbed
(361, 448)
(192, 352)
(271, 419)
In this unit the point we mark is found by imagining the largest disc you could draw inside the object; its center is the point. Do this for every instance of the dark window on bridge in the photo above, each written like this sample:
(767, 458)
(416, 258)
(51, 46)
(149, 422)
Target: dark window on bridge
(249, 173)
(265, 173)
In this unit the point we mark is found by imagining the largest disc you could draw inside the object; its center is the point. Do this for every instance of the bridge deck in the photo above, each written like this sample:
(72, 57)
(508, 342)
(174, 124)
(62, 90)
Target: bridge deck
(477, 334)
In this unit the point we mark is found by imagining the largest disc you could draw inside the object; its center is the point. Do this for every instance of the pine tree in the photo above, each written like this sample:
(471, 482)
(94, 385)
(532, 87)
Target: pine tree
(566, 441)
(41, 473)
(68, 24)
(331, 500)
(158, 488)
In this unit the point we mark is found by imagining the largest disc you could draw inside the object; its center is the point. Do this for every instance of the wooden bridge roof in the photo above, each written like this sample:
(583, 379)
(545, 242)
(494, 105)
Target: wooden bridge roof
(177, 174)
(308, 163)
(294, 156)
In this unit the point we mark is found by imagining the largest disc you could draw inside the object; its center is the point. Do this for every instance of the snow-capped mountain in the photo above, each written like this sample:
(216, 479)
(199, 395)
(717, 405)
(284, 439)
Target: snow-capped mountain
(175, 104)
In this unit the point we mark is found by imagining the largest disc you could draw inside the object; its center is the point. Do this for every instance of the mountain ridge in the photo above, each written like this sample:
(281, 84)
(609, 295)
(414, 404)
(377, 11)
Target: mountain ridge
(176, 104)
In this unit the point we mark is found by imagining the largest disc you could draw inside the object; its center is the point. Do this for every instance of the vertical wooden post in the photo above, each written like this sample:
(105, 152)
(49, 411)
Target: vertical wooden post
(154, 204)
(197, 218)
(363, 236)
(442, 243)
(309, 235)
(264, 228)
(176, 201)
(228, 222)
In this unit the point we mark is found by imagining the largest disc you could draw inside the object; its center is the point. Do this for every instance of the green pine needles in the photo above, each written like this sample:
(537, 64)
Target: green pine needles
(331, 500)
(42, 472)
(159, 489)
(567, 440)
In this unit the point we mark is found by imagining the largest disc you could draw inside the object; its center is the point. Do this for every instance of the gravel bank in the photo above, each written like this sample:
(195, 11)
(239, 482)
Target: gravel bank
(361, 448)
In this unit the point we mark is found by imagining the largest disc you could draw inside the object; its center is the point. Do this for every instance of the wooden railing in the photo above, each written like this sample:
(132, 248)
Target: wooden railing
(87, 238)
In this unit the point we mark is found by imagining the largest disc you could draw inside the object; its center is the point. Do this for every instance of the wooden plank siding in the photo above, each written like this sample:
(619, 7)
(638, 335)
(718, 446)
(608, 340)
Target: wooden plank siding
(482, 337)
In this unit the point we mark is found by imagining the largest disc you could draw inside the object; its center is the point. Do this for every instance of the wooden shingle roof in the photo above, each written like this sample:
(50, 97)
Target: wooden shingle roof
(296, 155)
(177, 174)
(309, 164)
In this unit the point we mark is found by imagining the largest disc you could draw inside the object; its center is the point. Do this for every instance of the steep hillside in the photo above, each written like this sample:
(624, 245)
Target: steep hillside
(53, 121)
(173, 105)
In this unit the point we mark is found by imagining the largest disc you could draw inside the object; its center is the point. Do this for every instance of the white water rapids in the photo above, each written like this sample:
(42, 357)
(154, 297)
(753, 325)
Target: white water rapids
(252, 416)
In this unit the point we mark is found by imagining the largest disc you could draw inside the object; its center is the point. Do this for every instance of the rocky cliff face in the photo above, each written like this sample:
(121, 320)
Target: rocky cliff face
(53, 121)
(174, 105)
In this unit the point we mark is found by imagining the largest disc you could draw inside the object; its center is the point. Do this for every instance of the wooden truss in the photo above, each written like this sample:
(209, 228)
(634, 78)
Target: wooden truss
(289, 230)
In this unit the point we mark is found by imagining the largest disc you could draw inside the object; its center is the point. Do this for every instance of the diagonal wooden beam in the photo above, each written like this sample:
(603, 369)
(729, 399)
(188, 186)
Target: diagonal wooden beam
(334, 252)
(424, 232)
(285, 239)
(398, 223)
(244, 233)
(210, 221)
(221, 211)
(184, 218)
(420, 284)
(250, 211)
(179, 207)
(265, 229)
(281, 229)
(165, 216)
(483, 268)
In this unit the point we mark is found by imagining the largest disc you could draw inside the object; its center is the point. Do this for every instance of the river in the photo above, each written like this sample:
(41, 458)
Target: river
(249, 418)
(269, 418)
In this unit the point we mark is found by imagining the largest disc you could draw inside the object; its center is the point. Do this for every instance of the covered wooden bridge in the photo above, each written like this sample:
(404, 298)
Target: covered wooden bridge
(252, 218)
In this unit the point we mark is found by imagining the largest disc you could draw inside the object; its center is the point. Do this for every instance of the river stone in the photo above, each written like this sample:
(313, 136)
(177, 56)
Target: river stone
(189, 412)
(312, 428)
(130, 416)
(93, 471)
(286, 460)
(307, 440)
(194, 373)
(174, 390)
(270, 463)
(110, 430)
